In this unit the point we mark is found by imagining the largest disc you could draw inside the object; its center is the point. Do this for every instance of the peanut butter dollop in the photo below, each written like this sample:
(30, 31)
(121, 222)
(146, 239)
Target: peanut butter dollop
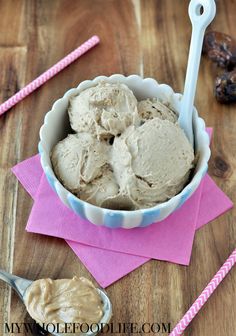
(64, 301)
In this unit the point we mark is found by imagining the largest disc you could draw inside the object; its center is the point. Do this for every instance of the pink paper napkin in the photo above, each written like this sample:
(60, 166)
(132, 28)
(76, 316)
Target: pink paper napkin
(49, 216)
(115, 253)
(114, 265)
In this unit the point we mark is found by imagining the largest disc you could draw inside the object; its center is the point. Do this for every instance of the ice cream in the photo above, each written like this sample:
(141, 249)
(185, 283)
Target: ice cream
(126, 154)
(153, 108)
(104, 110)
(102, 190)
(78, 159)
(152, 162)
(81, 163)
(64, 301)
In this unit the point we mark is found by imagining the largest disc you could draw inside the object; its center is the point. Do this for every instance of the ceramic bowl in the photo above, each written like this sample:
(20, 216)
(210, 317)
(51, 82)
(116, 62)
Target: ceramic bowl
(56, 127)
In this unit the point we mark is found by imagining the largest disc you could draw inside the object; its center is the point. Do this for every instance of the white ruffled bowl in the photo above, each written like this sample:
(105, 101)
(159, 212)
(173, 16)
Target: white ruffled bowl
(56, 127)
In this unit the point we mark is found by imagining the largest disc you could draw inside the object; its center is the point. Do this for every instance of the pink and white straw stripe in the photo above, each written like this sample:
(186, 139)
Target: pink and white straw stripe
(202, 299)
(35, 84)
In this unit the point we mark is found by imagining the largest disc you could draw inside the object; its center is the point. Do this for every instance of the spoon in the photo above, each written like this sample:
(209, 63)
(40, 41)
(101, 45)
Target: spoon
(201, 13)
(20, 285)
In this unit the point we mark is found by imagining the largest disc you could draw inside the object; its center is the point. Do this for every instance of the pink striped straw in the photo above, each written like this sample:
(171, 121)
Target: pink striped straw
(202, 299)
(35, 84)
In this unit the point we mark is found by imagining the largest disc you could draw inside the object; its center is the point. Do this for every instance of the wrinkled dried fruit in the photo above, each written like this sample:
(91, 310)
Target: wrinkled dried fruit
(225, 87)
(220, 48)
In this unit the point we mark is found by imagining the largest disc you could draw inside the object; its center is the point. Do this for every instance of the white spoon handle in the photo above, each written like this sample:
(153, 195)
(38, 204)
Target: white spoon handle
(201, 13)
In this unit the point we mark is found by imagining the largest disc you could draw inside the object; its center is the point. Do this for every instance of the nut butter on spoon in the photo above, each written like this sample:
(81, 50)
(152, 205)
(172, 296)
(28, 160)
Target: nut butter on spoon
(62, 301)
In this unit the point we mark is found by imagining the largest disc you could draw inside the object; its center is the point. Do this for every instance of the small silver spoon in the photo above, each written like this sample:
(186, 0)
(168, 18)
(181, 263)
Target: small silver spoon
(20, 285)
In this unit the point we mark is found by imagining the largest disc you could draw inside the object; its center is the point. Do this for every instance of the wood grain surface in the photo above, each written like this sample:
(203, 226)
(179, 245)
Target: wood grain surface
(146, 37)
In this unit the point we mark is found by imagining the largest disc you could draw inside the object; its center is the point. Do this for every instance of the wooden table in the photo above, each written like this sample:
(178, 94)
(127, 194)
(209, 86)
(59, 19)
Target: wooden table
(147, 37)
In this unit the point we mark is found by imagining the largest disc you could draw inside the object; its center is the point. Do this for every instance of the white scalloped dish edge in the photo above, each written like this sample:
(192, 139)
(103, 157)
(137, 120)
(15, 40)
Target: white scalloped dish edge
(54, 129)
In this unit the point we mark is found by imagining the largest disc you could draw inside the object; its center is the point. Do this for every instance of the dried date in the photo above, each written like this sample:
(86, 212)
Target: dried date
(225, 87)
(221, 49)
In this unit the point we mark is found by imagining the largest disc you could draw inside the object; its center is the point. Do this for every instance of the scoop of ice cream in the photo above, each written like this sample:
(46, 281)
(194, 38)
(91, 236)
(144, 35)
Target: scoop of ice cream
(102, 190)
(105, 110)
(80, 162)
(152, 162)
(153, 108)
(78, 159)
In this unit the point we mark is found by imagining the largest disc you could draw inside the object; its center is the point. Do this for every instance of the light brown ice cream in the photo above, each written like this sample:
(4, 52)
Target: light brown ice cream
(125, 155)
(102, 190)
(80, 162)
(78, 159)
(104, 110)
(153, 108)
(152, 162)
(64, 301)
